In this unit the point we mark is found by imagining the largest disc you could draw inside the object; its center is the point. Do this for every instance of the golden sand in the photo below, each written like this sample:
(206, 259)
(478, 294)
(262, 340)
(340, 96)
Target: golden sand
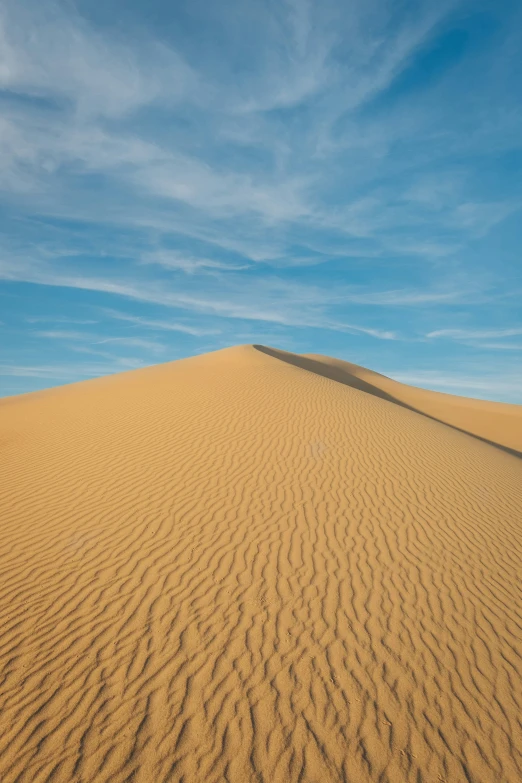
(258, 567)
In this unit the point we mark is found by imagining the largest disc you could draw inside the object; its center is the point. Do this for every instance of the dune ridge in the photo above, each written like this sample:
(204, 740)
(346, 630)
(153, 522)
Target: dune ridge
(237, 567)
(496, 423)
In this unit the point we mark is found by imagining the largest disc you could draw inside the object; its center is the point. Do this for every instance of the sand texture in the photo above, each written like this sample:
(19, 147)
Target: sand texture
(258, 567)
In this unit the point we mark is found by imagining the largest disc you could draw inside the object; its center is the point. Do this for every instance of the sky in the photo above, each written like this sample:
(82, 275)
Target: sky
(331, 176)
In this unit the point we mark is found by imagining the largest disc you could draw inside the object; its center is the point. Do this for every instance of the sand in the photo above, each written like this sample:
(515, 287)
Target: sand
(257, 566)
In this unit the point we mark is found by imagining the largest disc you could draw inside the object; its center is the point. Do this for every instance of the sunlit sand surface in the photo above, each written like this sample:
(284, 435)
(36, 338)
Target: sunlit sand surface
(253, 566)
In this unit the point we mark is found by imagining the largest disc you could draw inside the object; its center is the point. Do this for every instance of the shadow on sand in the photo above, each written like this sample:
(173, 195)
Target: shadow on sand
(349, 379)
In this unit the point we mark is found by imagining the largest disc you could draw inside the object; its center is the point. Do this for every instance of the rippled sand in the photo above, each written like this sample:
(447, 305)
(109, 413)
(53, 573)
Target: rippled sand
(258, 566)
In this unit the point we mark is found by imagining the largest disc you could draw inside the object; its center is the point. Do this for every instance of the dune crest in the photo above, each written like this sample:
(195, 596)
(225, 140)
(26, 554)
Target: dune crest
(253, 566)
(496, 423)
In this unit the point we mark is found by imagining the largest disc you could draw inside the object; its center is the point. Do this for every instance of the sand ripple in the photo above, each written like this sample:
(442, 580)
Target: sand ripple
(233, 568)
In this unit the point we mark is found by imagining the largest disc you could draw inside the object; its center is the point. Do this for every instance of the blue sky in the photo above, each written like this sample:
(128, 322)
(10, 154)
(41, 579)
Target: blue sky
(328, 177)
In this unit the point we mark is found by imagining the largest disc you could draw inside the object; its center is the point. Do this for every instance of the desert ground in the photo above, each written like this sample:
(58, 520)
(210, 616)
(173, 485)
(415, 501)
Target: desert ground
(259, 567)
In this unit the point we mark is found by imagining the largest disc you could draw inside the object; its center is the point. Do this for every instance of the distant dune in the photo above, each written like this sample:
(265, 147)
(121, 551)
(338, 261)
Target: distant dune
(258, 567)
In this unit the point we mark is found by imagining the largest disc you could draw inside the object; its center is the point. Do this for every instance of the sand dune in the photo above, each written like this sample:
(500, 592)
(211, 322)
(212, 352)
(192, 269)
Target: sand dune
(256, 566)
(497, 423)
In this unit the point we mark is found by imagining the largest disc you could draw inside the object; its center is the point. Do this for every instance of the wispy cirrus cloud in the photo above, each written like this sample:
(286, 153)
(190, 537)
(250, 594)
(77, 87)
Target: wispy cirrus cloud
(410, 297)
(55, 319)
(475, 334)
(132, 342)
(69, 372)
(161, 325)
(59, 334)
(104, 75)
(493, 386)
(101, 76)
(171, 259)
(86, 337)
(488, 340)
(501, 346)
(270, 301)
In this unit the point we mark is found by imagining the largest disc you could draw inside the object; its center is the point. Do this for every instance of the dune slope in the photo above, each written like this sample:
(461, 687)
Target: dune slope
(236, 568)
(496, 423)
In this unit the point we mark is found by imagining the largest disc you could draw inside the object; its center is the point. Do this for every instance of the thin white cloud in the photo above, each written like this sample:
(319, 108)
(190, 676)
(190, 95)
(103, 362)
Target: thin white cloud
(479, 218)
(55, 319)
(126, 342)
(304, 311)
(380, 334)
(224, 193)
(102, 76)
(49, 51)
(500, 386)
(61, 335)
(69, 372)
(132, 342)
(162, 325)
(296, 66)
(171, 259)
(500, 346)
(430, 249)
(475, 334)
(405, 297)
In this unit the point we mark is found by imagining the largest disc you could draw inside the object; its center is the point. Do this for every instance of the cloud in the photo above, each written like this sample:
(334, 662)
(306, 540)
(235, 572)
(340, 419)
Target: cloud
(480, 218)
(269, 301)
(125, 342)
(171, 259)
(500, 346)
(132, 342)
(405, 297)
(496, 386)
(48, 51)
(236, 169)
(162, 325)
(224, 193)
(68, 372)
(296, 67)
(475, 334)
(59, 319)
(295, 53)
(61, 335)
